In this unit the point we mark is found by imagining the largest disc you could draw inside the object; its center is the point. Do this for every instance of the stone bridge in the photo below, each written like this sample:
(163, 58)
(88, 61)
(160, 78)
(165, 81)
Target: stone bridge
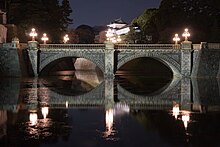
(110, 57)
(184, 60)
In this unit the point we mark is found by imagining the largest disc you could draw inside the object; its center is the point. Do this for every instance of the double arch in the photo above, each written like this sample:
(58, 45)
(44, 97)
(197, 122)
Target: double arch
(171, 62)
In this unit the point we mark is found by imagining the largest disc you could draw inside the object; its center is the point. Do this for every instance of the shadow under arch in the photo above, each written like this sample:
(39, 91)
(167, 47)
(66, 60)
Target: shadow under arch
(54, 59)
(61, 64)
(92, 98)
(169, 62)
(79, 83)
(164, 96)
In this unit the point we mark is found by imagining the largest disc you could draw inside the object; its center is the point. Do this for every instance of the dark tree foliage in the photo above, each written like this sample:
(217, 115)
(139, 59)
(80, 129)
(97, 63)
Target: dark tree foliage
(66, 9)
(201, 17)
(45, 15)
(146, 22)
(85, 34)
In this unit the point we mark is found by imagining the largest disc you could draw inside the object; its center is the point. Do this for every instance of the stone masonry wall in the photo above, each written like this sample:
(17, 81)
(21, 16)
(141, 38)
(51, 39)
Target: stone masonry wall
(206, 63)
(9, 62)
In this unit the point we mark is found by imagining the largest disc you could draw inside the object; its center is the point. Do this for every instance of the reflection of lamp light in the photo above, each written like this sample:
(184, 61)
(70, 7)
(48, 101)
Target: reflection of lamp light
(186, 34)
(109, 121)
(33, 34)
(185, 118)
(33, 118)
(45, 111)
(67, 104)
(176, 111)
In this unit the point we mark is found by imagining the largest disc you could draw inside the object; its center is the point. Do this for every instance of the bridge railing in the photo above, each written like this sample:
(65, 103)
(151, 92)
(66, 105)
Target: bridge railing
(124, 46)
(147, 46)
(72, 46)
(196, 46)
(213, 46)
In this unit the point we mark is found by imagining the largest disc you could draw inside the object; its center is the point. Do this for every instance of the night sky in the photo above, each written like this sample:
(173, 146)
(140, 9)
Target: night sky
(102, 12)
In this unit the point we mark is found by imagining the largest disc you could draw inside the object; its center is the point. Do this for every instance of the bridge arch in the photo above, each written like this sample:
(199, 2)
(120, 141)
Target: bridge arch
(93, 98)
(166, 95)
(46, 59)
(164, 59)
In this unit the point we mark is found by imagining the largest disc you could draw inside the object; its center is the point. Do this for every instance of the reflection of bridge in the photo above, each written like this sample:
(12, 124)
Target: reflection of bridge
(103, 96)
(179, 91)
(109, 57)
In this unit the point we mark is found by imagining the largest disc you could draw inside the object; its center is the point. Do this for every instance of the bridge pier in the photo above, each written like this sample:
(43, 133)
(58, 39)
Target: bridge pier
(186, 58)
(109, 60)
(186, 101)
(109, 93)
(33, 56)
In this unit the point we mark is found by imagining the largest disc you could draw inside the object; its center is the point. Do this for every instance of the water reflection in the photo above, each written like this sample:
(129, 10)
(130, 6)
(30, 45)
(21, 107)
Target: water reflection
(118, 110)
(33, 118)
(109, 123)
(45, 111)
(176, 110)
(185, 118)
(40, 109)
(185, 115)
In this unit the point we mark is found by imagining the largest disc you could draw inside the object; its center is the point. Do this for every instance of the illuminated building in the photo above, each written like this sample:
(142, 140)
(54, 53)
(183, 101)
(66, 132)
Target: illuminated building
(117, 29)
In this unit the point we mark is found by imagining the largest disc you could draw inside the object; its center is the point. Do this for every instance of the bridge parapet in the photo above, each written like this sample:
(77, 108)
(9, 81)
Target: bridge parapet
(72, 46)
(116, 46)
(10, 45)
(213, 45)
(147, 46)
(196, 46)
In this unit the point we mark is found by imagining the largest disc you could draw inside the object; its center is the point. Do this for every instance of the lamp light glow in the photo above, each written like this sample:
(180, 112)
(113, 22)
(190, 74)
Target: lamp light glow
(45, 38)
(66, 38)
(33, 34)
(176, 38)
(186, 34)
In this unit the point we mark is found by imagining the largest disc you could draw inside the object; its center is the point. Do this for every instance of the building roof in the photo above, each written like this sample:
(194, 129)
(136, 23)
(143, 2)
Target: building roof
(118, 21)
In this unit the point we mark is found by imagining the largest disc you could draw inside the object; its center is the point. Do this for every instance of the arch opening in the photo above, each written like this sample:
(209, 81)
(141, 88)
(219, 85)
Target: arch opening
(68, 85)
(69, 66)
(147, 66)
(145, 76)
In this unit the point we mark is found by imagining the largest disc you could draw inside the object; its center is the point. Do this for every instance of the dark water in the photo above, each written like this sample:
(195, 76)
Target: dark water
(130, 111)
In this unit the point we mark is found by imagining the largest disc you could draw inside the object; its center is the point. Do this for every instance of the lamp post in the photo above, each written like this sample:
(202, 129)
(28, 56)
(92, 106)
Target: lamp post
(118, 39)
(112, 36)
(45, 38)
(66, 39)
(33, 34)
(109, 34)
(176, 39)
(186, 34)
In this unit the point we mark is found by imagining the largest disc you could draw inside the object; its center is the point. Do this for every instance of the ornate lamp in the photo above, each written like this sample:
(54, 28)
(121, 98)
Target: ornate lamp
(45, 38)
(176, 39)
(186, 34)
(33, 34)
(66, 38)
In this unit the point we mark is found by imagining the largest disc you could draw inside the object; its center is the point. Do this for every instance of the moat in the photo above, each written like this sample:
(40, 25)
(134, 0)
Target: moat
(74, 111)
